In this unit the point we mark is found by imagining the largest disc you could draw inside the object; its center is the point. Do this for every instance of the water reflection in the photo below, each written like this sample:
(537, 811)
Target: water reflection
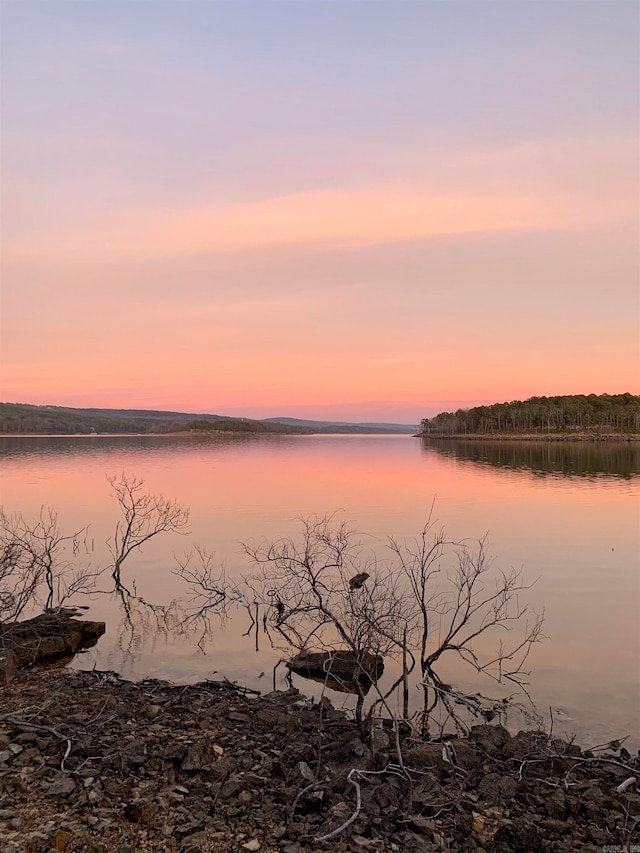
(116, 445)
(572, 459)
(566, 513)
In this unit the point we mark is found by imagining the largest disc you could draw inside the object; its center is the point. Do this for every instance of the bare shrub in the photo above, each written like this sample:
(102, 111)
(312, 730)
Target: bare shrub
(35, 564)
(458, 597)
(433, 597)
(40, 567)
(143, 516)
(322, 592)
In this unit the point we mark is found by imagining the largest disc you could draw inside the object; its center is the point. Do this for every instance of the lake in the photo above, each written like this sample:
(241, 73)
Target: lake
(567, 514)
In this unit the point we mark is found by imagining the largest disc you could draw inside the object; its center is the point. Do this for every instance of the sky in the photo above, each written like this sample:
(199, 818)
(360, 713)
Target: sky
(369, 210)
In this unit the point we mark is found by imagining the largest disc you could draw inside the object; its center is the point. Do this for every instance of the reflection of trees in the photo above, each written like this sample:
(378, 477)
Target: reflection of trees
(194, 616)
(12, 447)
(143, 623)
(574, 459)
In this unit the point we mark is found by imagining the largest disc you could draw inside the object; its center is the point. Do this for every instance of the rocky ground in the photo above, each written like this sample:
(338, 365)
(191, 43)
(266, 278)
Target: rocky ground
(91, 763)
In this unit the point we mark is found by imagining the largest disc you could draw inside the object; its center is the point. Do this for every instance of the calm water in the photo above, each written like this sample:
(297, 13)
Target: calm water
(567, 514)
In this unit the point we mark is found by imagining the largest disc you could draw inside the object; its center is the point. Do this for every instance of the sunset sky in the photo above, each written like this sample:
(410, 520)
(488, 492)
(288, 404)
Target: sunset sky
(340, 210)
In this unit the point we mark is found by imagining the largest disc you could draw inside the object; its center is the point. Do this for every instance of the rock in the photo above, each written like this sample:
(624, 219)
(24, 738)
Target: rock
(342, 665)
(553, 827)
(175, 752)
(422, 825)
(140, 811)
(270, 719)
(556, 805)
(477, 822)
(63, 837)
(223, 768)
(188, 829)
(232, 787)
(7, 813)
(8, 666)
(592, 802)
(518, 837)
(465, 754)
(425, 756)
(386, 796)
(186, 799)
(62, 785)
(196, 841)
(197, 756)
(252, 845)
(305, 772)
(239, 717)
(46, 636)
(521, 745)
(496, 790)
(490, 739)
(598, 835)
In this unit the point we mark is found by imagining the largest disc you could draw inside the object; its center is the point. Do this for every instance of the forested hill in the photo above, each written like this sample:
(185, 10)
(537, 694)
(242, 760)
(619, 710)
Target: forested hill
(58, 420)
(578, 413)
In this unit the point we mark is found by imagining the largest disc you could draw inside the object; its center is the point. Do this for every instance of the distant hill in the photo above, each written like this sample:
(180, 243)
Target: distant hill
(24, 418)
(344, 427)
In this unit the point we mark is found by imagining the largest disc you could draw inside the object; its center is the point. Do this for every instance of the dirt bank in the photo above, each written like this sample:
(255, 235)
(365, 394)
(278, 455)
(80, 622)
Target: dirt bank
(91, 763)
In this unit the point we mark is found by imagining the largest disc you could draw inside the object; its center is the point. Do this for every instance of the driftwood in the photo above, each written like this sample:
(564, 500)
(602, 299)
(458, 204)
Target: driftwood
(343, 667)
(47, 636)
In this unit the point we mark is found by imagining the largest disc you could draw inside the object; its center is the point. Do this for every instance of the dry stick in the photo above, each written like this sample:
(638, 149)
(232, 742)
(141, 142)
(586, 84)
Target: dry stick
(350, 819)
(301, 794)
(608, 744)
(405, 677)
(321, 709)
(274, 673)
(626, 784)
(396, 726)
(633, 827)
(40, 728)
(577, 762)
(389, 769)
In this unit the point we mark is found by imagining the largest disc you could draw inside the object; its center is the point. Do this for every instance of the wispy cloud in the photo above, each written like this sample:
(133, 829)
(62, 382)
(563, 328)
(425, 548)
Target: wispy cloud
(333, 219)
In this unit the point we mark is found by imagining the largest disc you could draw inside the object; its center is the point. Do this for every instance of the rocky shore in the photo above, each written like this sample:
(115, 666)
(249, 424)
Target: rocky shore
(92, 763)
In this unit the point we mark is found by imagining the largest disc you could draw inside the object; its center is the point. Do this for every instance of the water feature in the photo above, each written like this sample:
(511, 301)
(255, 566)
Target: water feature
(566, 514)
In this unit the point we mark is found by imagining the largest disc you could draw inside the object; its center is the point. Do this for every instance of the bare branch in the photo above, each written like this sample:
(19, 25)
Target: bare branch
(143, 516)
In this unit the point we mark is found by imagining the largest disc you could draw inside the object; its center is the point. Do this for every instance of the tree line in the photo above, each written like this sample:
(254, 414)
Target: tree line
(26, 419)
(597, 413)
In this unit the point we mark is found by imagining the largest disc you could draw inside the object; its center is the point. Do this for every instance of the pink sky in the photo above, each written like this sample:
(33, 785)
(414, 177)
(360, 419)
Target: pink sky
(198, 221)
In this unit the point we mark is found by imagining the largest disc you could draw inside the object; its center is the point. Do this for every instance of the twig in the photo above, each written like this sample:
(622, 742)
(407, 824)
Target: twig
(352, 817)
(301, 794)
(40, 728)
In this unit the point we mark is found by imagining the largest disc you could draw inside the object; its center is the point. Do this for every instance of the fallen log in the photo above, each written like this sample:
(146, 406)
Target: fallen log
(44, 637)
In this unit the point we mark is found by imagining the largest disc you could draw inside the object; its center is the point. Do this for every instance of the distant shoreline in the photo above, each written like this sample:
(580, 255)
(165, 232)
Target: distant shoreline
(548, 437)
(195, 434)
(142, 434)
